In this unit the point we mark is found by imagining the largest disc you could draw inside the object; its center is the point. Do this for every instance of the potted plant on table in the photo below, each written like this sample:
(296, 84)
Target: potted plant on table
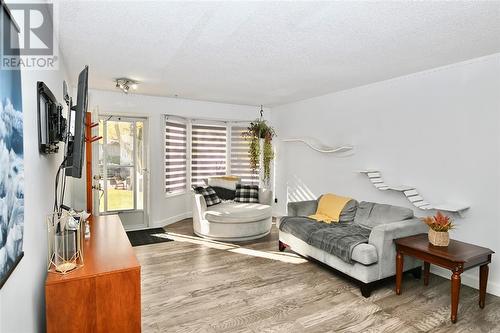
(439, 225)
(259, 129)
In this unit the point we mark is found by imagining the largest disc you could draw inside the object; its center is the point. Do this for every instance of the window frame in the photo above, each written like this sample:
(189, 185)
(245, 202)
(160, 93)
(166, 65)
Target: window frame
(188, 156)
(228, 124)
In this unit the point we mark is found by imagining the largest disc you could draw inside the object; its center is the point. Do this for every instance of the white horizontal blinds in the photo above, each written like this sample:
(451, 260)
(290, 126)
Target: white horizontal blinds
(240, 158)
(175, 156)
(208, 151)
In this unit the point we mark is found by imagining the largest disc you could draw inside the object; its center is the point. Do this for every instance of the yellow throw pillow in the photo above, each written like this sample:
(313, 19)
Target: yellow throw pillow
(329, 208)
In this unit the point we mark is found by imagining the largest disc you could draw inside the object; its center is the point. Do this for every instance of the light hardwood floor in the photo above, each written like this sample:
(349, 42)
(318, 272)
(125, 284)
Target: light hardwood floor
(190, 285)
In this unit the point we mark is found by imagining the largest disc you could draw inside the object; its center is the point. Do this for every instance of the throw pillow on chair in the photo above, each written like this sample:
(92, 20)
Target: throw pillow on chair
(211, 198)
(247, 193)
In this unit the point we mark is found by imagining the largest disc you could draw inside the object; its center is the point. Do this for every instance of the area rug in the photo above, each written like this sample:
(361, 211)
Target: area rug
(147, 237)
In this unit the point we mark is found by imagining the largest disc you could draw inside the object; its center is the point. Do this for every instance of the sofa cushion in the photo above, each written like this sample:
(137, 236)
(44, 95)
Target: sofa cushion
(349, 211)
(301, 227)
(371, 214)
(247, 193)
(236, 212)
(209, 194)
(365, 254)
(306, 208)
(302, 208)
(329, 208)
(340, 239)
(224, 193)
(224, 186)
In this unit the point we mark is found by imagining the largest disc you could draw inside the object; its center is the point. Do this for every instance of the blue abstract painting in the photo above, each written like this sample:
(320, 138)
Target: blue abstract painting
(11, 170)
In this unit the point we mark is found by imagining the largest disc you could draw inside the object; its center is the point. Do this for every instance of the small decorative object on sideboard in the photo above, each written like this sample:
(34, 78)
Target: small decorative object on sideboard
(65, 241)
(439, 225)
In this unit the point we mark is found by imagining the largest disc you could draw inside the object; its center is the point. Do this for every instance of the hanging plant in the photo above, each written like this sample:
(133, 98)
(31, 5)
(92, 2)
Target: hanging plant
(254, 151)
(257, 130)
(268, 156)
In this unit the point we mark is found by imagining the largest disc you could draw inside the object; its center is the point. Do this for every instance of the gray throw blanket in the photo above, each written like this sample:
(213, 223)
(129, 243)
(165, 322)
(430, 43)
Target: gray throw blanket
(338, 239)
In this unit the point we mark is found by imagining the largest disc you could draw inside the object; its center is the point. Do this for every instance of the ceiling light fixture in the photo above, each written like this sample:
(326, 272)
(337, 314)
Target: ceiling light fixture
(125, 84)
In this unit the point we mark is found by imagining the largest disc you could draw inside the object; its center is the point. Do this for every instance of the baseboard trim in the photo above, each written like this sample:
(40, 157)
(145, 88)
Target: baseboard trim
(470, 278)
(172, 219)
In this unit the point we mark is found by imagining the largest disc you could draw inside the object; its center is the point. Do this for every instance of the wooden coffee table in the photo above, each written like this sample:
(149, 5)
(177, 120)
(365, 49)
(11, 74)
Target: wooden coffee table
(457, 257)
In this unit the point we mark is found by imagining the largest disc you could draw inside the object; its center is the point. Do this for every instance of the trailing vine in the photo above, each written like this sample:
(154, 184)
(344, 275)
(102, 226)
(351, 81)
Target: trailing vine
(268, 157)
(254, 151)
(257, 130)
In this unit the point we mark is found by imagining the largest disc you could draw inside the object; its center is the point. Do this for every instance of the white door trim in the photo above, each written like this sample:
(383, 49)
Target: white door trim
(126, 116)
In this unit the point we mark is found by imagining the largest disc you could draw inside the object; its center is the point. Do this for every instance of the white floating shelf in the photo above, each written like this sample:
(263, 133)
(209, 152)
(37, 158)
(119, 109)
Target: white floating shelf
(317, 146)
(412, 194)
(451, 207)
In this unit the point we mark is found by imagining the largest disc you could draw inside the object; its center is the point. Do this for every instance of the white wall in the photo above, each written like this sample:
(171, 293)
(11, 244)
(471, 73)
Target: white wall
(163, 210)
(438, 130)
(22, 298)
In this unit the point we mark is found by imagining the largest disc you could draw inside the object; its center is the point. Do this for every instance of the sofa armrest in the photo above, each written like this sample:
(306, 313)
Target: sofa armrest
(302, 208)
(383, 236)
(199, 207)
(265, 196)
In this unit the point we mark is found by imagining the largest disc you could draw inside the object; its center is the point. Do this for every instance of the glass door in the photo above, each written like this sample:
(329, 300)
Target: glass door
(122, 169)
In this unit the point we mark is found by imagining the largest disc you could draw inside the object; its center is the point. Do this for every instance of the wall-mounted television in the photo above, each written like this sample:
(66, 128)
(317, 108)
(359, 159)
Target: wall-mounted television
(75, 148)
(51, 123)
(53, 128)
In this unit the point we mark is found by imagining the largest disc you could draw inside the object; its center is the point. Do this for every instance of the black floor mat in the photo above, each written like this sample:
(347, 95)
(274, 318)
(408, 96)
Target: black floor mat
(146, 237)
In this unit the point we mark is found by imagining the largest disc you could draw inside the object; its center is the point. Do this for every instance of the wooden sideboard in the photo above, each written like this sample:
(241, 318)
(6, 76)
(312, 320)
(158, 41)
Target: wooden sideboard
(105, 294)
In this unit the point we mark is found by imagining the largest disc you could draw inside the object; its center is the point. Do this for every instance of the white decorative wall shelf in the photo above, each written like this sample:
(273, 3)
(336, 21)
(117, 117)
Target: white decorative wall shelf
(411, 194)
(317, 146)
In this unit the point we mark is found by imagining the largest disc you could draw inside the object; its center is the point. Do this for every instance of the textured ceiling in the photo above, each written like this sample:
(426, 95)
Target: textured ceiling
(269, 53)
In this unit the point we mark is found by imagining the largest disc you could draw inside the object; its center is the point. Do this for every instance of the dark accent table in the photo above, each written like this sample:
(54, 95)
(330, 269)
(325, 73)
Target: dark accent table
(457, 257)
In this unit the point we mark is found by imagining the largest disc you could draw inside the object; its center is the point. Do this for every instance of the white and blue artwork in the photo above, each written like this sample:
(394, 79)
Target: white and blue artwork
(11, 171)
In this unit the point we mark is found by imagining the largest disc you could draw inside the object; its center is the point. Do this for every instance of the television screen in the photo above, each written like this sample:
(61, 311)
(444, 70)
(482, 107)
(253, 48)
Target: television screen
(76, 144)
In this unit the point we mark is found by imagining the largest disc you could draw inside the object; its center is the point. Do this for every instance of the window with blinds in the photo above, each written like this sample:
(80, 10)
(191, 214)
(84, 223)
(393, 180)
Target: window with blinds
(175, 157)
(208, 151)
(240, 158)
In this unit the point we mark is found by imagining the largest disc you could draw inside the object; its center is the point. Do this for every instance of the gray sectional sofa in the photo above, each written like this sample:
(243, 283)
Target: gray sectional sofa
(360, 246)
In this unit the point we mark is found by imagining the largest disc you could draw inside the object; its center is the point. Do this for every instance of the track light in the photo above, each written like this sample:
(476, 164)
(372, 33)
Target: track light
(125, 84)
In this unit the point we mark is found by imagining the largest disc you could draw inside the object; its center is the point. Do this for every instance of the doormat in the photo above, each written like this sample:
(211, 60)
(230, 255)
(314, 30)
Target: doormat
(147, 237)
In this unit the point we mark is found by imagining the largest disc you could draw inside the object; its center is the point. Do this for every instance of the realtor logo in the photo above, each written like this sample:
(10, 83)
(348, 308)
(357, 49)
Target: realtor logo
(29, 42)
